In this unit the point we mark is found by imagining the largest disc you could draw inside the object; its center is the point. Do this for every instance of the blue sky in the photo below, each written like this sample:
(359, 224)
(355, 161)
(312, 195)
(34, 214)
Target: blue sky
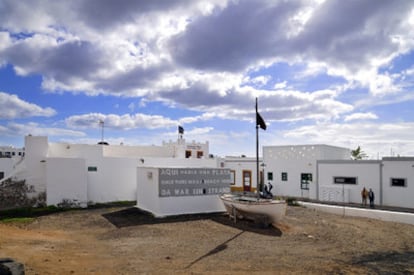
(325, 72)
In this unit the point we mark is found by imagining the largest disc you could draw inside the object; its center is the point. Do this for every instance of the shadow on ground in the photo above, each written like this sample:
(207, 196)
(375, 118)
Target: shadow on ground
(134, 216)
(387, 262)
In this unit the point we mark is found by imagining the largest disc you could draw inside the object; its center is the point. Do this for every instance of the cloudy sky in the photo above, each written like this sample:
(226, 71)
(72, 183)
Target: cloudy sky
(325, 72)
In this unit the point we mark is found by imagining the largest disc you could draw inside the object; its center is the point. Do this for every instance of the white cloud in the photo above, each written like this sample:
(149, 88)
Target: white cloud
(360, 116)
(125, 121)
(280, 85)
(13, 108)
(19, 129)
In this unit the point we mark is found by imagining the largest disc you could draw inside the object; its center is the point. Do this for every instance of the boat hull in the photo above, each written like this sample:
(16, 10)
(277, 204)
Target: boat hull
(248, 207)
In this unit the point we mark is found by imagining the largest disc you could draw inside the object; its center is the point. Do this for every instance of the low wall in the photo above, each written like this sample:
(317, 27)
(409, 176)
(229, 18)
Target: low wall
(389, 216)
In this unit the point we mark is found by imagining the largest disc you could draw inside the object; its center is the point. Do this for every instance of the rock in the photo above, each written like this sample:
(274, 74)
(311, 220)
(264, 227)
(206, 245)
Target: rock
(10, 267)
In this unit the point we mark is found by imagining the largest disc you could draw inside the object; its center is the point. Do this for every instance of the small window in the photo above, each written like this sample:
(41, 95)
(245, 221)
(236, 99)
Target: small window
(232, 177)
(199, 154)
(92, 169)
(398, 182)
(187, 154)
(1, 175)
(305, 179)
(284, 176)
(345, 180)
(269, 175)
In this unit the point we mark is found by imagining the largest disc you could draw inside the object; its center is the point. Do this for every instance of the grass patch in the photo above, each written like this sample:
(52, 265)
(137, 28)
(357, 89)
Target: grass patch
(27, 212)
(112, 204)
(23, 220)
(33, 212)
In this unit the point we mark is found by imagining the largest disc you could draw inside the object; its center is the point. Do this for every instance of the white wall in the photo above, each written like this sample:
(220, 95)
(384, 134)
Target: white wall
(35, 160)
(367, 173)
(238, 164)
(295, 160)
(66, 180)
(398, 168)
(64, 150)
(6, 166)
(389, 216)
(148, 197)
(137, 151)
(147, 186)
(114, 180)
(291, 160)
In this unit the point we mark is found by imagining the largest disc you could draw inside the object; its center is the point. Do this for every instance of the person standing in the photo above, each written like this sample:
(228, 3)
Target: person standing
(371, 197)
(364, 195)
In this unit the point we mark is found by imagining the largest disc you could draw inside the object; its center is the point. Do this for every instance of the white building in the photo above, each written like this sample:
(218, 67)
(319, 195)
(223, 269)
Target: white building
(79, 174)
(243, 173)
(175, 191)
(391, 179)
(82, 174)
(343, 180)
(292, 169)
(9, 158)
(10, 152)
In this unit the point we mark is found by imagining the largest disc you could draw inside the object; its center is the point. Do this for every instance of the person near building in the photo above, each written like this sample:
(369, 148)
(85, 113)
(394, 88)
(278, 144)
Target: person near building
(270, 188)
(371, 197)
(364, 195)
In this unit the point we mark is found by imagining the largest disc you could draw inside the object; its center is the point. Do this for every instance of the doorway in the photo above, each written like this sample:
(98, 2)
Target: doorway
(247, 181)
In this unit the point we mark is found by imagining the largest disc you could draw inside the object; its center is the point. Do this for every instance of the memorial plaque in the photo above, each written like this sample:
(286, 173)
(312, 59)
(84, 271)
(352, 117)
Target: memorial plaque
(176, 182)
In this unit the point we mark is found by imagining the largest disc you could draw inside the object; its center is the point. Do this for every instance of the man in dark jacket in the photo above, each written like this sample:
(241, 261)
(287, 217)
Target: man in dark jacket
(371, 197)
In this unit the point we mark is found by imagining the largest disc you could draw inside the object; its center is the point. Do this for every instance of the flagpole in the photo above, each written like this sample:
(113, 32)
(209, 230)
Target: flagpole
(257, 155)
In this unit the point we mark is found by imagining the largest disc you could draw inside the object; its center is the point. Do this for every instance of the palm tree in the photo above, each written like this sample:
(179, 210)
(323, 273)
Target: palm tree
(358, 153)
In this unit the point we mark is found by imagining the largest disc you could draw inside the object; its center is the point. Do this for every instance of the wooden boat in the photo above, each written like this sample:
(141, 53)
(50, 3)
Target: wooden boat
(242, 206)
(254, 207)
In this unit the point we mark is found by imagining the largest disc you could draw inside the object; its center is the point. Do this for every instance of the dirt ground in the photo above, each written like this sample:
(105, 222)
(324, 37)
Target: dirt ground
(127, 241)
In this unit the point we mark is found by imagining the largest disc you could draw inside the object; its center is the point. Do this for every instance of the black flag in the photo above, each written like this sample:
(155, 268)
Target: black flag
(180, 130)
(260, 121)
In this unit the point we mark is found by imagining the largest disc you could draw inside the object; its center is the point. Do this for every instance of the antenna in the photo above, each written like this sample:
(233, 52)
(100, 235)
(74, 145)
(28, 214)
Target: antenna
(102, 124)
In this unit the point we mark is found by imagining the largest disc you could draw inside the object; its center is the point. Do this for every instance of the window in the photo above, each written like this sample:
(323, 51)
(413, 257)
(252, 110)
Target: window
(1, 175)
(92, 169)
(187, 154)
(345, 180)
(269, 175)
(305, 178)
(199, 154)
(284, 176)
(398, 182)
(232, 177)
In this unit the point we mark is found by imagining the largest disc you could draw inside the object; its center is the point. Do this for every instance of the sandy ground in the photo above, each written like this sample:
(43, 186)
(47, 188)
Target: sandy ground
(127, 241)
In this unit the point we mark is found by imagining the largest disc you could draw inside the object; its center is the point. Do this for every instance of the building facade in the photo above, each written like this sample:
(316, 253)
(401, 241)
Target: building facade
(82, 174)
(243, 173)
(292, 169)
(391, 179)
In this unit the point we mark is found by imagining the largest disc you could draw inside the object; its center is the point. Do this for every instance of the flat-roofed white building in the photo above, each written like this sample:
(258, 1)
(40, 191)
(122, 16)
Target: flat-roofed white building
(243, 173)
(391, 179)
(398, 181)
(343, 180)
(292, 169)
(80, 174)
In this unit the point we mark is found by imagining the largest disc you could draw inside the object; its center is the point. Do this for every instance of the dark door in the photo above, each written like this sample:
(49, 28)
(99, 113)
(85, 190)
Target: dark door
(247, 180)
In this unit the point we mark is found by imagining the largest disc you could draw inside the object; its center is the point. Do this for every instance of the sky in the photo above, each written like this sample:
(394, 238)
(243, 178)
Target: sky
(324, 72)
